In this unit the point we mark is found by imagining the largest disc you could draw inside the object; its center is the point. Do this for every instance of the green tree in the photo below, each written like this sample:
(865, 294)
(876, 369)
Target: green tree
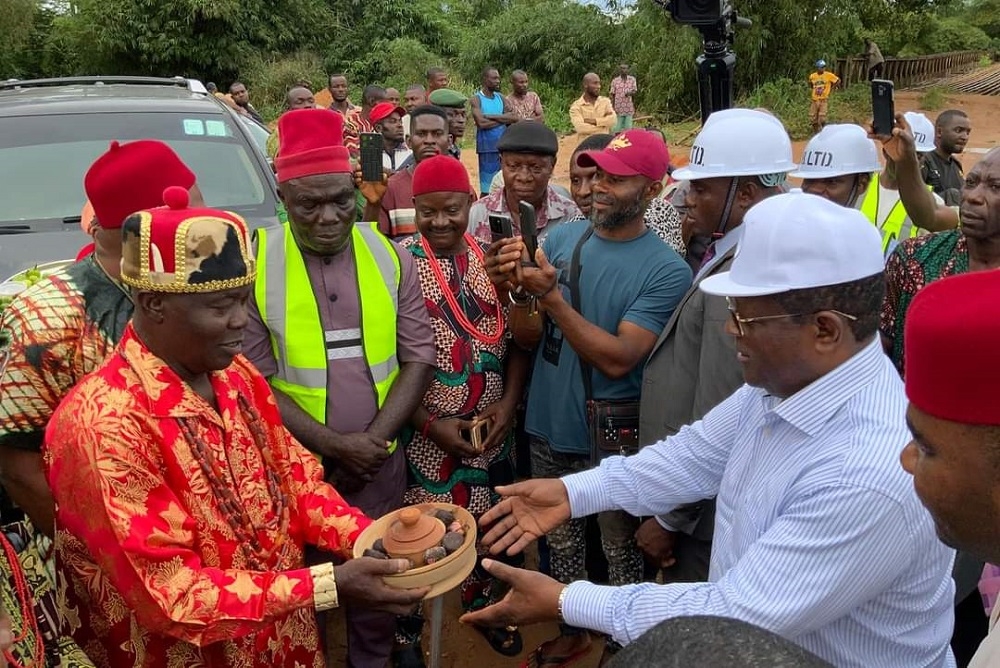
(199, 37)
(555, 40)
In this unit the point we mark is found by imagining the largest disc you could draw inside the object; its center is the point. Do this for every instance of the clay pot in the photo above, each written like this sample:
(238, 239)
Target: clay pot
(442, 576)
(412, 534)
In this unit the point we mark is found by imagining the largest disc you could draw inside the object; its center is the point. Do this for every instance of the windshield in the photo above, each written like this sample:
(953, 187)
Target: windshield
(43, 160)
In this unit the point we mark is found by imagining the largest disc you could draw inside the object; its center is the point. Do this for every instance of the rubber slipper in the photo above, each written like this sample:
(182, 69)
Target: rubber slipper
(537, 659)
(506, 641)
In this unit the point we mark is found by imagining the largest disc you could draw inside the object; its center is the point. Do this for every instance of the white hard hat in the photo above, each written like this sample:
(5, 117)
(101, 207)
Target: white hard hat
(797, 241)
(739, 142)
(838, 150)
(923, 130)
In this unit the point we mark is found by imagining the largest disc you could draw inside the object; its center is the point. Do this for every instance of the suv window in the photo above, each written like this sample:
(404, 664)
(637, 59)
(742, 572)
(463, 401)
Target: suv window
(43, 159)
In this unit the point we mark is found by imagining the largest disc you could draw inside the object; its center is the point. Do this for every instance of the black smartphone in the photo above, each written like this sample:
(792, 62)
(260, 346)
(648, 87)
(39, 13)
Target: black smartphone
(371, 157)
(500, 227)
(529, 229)
(883, 107)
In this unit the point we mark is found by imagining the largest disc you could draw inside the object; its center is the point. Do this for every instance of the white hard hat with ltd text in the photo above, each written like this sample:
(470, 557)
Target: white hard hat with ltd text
(838, 150)
(739, 142)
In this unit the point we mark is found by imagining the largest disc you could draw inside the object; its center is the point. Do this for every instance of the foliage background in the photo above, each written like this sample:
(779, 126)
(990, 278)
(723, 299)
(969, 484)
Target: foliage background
(271, 44)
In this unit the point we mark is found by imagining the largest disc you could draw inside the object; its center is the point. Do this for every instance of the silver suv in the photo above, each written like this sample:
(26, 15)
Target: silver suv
(51, 130)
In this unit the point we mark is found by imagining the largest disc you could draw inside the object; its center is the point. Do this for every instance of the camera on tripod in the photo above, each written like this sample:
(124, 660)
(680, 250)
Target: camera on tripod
(700, 12)
(717, 21)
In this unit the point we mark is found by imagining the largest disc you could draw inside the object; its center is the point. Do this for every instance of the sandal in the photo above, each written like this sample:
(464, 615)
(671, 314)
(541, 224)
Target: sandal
(408, 656)
(506, 641)
(538, 659)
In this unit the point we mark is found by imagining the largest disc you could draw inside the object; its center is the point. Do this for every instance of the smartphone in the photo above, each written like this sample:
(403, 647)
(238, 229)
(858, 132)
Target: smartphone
(500, 227)
(371, 157)
(883, 107)
(529, 230)
(477, 434)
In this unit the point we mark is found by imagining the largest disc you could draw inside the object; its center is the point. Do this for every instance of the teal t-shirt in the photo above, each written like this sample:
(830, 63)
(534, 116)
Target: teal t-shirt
(640, 281)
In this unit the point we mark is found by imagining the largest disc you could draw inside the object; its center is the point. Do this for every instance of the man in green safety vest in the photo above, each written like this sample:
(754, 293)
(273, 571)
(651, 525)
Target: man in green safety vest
(339, 327)
(841, 164)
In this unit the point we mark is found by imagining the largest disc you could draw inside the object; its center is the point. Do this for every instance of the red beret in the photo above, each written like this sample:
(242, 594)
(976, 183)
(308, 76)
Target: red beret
(951, 352)
(133, 176)
(174, 248)
(441, 173)
(384, 110)
(312, 142)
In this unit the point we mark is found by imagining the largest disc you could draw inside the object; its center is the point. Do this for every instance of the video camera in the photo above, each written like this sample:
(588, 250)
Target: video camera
(717, 21)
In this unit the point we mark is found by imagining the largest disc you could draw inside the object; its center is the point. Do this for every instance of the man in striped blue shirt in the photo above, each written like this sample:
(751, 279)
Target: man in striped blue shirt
(819, 536)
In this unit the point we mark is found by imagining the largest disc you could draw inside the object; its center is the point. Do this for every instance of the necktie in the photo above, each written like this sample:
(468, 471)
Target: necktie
(989, 586)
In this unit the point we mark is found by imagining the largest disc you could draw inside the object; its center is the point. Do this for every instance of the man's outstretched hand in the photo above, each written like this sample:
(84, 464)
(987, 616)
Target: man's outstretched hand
(532, 598)
(528, 511)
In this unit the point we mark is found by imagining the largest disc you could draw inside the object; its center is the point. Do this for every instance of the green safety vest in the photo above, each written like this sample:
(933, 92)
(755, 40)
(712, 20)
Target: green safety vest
(896, 226)
(288, 308)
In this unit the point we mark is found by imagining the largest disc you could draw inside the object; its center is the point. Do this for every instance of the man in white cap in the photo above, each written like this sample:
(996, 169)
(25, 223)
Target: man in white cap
(842, 164)
(819, 536)
(739, 159)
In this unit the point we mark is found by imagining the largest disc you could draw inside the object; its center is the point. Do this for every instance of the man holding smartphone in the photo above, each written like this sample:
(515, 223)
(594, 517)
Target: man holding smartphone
(606, 290)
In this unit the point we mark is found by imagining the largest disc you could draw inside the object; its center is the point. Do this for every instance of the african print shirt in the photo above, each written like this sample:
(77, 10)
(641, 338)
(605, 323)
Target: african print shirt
(60, 329)
(665, 221)
(558, 209)
(915, 263)
(179, 537)
(468, 377)
(624, 105)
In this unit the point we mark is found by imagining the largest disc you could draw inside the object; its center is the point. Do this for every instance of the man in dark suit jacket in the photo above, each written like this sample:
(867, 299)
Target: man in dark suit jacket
(738, 159)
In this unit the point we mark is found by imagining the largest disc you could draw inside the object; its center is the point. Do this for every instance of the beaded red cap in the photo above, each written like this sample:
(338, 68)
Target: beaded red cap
(175, 248)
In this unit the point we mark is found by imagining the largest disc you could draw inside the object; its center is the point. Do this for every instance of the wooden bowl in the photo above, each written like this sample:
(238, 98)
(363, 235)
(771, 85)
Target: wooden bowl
(442, 576)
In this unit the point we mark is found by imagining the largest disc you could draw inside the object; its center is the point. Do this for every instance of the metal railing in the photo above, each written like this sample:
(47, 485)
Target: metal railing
(909, 71)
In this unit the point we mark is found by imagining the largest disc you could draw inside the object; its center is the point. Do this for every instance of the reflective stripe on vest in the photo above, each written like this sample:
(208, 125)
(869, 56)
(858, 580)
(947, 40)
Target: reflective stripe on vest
(896, 226)
(288, 308)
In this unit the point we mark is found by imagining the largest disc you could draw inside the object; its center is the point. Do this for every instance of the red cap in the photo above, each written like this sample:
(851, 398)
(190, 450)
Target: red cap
(950, 348)
(175, 248)
(311, 142)
(384, 110)
(440, 174)
(133, 176)
(631, 153)
(85, 251)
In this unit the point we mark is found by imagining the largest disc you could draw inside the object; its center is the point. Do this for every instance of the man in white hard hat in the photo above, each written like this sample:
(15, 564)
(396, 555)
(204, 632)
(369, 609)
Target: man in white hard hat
(841, 164)
(738, 159)
(820, 537)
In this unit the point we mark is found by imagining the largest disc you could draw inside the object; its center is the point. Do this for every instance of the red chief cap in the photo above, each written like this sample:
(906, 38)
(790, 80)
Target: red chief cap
(441, 173)
(130, 177)
(175, 248)
(950, 348)
(384, 110)
(631, 153)
(312, 142)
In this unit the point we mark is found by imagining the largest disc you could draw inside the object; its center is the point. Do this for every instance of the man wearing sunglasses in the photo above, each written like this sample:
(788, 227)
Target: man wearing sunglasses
(819, 536)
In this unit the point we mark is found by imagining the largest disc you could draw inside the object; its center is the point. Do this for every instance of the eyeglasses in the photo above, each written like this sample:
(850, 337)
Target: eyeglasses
(739, 322)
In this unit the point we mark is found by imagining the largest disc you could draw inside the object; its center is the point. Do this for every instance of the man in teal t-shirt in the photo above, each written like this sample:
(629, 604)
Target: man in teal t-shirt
(630, 282)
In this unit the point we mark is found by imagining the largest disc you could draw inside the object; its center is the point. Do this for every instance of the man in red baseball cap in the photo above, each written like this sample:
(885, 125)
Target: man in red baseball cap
(955, 418)
(339, 327)
(64, 327)
(607, 288)
(388, 120)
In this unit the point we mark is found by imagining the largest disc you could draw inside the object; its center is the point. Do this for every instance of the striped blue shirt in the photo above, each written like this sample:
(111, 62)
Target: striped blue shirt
(819, 536)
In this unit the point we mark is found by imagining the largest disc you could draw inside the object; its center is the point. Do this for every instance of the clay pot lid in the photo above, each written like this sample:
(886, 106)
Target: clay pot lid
(413, 531)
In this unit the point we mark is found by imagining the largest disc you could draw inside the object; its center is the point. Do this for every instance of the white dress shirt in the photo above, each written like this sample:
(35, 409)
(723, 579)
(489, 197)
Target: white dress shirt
(819, 535)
